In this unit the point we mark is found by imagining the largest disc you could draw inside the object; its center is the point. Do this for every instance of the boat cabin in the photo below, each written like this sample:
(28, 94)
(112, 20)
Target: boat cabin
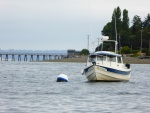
(105, 58)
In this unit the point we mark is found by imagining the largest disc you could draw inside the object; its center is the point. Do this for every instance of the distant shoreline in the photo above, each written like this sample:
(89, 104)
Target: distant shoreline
(83, 59)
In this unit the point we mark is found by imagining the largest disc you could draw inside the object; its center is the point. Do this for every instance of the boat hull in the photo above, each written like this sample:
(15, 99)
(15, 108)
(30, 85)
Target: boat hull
(99, 73)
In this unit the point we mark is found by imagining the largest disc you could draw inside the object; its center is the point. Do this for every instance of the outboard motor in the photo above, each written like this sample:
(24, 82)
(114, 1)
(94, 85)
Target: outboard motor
(62, 78)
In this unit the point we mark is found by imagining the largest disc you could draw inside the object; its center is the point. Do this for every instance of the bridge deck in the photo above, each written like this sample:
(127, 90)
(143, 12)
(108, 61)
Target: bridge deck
(25, 54)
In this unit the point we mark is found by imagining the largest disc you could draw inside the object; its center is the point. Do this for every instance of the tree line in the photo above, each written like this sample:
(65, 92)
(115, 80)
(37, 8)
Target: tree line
(136, 37)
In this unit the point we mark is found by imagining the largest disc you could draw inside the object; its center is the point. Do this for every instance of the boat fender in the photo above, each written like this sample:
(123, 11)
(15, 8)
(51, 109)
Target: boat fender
(62, 78)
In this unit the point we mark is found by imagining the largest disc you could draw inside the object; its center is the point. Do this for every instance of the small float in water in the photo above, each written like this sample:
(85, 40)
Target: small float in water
(62, 78)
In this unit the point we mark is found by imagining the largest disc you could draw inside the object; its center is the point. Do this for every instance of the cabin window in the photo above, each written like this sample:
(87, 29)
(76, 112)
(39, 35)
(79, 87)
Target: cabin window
(108, 58)
(119, 59)
(113, 59)
(104, 58)
(92, 58)
(99, 58)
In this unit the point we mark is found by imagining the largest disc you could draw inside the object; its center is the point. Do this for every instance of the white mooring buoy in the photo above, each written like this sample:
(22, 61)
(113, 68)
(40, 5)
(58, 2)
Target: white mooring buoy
(62, 78)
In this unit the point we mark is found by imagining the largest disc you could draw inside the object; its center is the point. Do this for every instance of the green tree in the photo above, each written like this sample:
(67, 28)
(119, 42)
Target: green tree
(106, 46)
(125, 20)
(125, 33)
(146, 32)
(116, 16)
(137, 24)
(130, 36)
(125, 50)
(84, 52)
(136, 31)
(146, 22)
(107, 30)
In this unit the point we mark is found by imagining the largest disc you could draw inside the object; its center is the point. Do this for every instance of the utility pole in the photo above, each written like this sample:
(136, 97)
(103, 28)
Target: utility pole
(88, 42)
(119, 42)
(141, 40)
(149, 41)
(149, 44)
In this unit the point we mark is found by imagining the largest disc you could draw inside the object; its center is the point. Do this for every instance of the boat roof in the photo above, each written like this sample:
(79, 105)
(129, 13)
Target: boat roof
(105, 53)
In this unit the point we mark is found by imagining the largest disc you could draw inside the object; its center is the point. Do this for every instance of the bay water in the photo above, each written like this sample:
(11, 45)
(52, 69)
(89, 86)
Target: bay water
(31, 87)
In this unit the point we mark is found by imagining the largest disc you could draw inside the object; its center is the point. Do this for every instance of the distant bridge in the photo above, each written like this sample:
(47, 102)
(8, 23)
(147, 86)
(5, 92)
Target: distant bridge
(45, 56)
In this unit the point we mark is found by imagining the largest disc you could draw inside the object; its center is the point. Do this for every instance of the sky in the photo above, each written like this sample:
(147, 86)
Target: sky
(59, 24)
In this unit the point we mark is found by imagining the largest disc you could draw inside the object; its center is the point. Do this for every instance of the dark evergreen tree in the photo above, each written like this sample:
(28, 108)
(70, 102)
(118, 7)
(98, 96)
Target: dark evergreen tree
(125, 20)
(146, 32)
(137, 24)
(84, 52)
(136, 32)
(146, 23)
(124, 33)
(130, 37)
(107, 30)
(116, 17)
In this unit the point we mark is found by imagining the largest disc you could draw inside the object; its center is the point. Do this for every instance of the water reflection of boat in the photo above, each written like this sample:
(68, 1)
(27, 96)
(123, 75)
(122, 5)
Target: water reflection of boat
(106, 66)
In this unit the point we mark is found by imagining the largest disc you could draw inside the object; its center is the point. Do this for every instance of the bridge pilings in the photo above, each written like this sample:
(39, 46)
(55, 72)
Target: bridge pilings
(49, 57)
(37, 58)
(13, 57)
(19, 57)
(32, 56)
(6, 57)
(25, 58)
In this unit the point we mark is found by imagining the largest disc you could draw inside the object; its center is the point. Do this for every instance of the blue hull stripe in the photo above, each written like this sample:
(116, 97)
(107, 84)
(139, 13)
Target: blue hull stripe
(117, 71)
(112, 70)
(86, 69)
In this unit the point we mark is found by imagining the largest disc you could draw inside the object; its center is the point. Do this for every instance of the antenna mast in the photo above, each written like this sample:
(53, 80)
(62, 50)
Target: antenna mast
(116, 44)
(88, 42)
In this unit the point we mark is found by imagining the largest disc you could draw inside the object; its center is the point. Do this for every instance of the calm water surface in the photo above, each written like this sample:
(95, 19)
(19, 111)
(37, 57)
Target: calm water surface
(31, 87)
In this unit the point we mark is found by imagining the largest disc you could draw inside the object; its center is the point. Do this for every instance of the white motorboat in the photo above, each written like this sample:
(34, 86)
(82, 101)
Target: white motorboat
(106, 66)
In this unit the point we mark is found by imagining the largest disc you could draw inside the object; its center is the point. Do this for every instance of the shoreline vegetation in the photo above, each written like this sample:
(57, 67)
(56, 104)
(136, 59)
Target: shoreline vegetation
(83, 59)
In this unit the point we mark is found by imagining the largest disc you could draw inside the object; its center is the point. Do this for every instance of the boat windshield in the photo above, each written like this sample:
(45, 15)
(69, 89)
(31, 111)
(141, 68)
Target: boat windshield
(101, 58)
(92, 58)
(111, 58)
